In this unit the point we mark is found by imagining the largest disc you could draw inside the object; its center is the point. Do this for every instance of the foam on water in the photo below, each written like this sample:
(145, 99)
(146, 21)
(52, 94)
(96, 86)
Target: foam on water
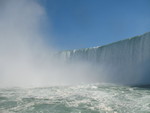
(90, 98)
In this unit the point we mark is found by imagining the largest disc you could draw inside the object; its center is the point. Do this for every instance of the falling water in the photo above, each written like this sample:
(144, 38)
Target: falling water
(123, 62)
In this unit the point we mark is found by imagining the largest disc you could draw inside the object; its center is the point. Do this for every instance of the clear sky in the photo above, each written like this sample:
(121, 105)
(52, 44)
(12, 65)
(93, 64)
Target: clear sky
(77, 24)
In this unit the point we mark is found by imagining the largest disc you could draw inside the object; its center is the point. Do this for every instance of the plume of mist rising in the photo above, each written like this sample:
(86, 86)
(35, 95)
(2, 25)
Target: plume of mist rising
(25, 60)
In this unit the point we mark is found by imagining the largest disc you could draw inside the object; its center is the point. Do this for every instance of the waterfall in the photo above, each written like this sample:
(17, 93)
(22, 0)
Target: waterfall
(124, 62)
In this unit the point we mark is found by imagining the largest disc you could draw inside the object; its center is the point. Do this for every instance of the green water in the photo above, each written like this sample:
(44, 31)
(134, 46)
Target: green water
(91, 98)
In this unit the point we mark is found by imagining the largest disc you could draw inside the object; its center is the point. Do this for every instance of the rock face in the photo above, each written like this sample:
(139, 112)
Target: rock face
(124, 62)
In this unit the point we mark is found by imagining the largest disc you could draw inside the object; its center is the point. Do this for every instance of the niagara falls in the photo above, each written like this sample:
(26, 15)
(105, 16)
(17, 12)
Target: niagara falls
(74, 56)
(123, 62)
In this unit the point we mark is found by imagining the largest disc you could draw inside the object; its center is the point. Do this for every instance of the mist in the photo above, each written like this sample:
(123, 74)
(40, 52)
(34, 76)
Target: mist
(26, 60)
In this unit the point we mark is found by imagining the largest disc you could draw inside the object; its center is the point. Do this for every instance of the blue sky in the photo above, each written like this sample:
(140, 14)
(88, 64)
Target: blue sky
(75, 24)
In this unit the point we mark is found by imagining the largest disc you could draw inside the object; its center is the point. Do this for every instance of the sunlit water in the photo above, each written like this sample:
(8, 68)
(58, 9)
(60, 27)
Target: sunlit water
(91, 98)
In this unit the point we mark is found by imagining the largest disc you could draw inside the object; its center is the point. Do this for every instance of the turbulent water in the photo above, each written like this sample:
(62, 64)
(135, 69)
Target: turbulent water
(90, 98)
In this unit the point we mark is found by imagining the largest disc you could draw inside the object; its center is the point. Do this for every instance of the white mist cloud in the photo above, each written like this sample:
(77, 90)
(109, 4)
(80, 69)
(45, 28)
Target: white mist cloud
(25, 60)
(20, 40)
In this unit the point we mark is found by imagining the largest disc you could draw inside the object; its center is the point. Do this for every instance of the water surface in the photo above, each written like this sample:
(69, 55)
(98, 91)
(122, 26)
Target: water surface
(90, 98)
